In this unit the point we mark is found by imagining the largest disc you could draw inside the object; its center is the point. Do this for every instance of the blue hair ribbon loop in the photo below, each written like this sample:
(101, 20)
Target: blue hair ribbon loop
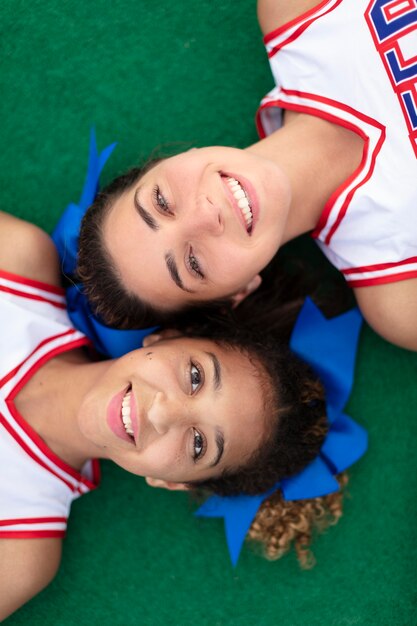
(109, 341)
(66, 232)
(329, 346)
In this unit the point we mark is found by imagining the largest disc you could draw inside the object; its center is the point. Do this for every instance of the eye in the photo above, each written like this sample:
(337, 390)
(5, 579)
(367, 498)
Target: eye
(194, 265)
(160, 202)
(199, 445)
(196, 377)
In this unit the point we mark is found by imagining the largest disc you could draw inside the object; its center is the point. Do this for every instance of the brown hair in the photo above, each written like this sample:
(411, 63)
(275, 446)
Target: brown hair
(95, 268)
(294, 407)
(297, 429)
(281, 524)
(101, 281)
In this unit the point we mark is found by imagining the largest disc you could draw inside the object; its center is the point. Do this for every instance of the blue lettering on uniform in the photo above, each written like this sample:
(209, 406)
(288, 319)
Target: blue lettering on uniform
(411, 108)
(388, 29)
(400, 73)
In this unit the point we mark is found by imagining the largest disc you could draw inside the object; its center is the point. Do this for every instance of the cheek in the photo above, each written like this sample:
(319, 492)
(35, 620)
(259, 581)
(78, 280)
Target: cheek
(233, 263)
(128, 463)
(160, 460)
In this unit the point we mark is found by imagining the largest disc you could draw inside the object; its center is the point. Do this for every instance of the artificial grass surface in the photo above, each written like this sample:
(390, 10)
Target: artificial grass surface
(146, 74)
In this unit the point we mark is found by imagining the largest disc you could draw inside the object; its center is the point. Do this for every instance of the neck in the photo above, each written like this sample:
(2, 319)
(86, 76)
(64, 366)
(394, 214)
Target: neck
(317, 157)
(51, 400)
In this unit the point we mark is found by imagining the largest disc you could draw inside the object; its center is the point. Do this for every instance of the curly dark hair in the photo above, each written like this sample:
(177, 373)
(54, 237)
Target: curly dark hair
(294, 406)
(280, 524)
(296, 412)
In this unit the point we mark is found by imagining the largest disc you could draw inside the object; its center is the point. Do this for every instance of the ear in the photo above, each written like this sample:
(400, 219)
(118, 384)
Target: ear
(150, 339)
(240, 295)
(165, 484)
(168, 333)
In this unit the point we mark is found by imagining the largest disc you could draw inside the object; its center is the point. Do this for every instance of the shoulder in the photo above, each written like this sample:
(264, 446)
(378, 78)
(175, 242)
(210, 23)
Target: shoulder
(391, 310)
(26, 249)
(273, 14)
(26, 567)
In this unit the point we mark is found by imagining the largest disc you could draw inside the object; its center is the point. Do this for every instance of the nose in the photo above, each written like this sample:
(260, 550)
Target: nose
(166, 413)
(203, 217)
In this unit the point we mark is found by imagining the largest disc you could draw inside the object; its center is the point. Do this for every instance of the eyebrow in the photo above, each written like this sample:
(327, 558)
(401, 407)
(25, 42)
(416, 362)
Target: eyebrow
(217, 383)
(173, 270)
(220, 447)
(217, 378)
(169, 257)
(144, 214)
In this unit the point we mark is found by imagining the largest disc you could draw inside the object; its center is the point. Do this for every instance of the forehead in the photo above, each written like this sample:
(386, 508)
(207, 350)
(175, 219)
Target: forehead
(138, 255)
(240, 408)
(242, 375)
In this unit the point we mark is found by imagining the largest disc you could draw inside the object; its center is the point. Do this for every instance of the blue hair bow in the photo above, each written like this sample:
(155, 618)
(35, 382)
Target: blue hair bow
(109, 341)
(67, 230)
(329, 346)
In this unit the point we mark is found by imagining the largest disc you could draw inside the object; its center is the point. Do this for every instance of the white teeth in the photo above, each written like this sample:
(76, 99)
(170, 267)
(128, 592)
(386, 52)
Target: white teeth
(243, 203)
(127, 422)
(241, 199)
(239, 194)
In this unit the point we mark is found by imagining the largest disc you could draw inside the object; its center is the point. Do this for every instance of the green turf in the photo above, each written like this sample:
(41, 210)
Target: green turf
(147, 74)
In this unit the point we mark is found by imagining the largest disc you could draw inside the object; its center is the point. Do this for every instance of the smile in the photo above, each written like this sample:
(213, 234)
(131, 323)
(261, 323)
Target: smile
(122, 416)
(242, 201)
(126, 419)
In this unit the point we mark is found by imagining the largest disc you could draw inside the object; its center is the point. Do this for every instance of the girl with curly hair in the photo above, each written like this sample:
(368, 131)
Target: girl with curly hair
(217, 408)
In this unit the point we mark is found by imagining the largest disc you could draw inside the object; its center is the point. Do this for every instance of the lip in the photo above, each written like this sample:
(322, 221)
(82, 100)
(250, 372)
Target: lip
(249, 190)
(114, 416)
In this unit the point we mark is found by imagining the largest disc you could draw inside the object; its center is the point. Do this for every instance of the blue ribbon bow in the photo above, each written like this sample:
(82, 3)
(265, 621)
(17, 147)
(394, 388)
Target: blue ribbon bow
(67, 230)
(109, 341)
(329, 346)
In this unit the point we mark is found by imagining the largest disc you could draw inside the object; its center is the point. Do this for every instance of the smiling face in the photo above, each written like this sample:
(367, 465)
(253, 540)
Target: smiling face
(180, 410)
(198, 226)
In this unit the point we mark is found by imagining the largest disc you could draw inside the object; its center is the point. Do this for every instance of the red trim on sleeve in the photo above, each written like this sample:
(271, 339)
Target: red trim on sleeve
(331, 201)
(335, 104)
(378, 266)
(59, 291)
(32, 296)
(96, 471)
(382, 280)
(299, 31)
(340, 121)
(31, 534)
(33, 520)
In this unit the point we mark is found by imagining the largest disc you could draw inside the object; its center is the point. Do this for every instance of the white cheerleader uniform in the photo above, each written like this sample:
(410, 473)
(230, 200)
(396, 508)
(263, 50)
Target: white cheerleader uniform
(36, 486)
(354, 63)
